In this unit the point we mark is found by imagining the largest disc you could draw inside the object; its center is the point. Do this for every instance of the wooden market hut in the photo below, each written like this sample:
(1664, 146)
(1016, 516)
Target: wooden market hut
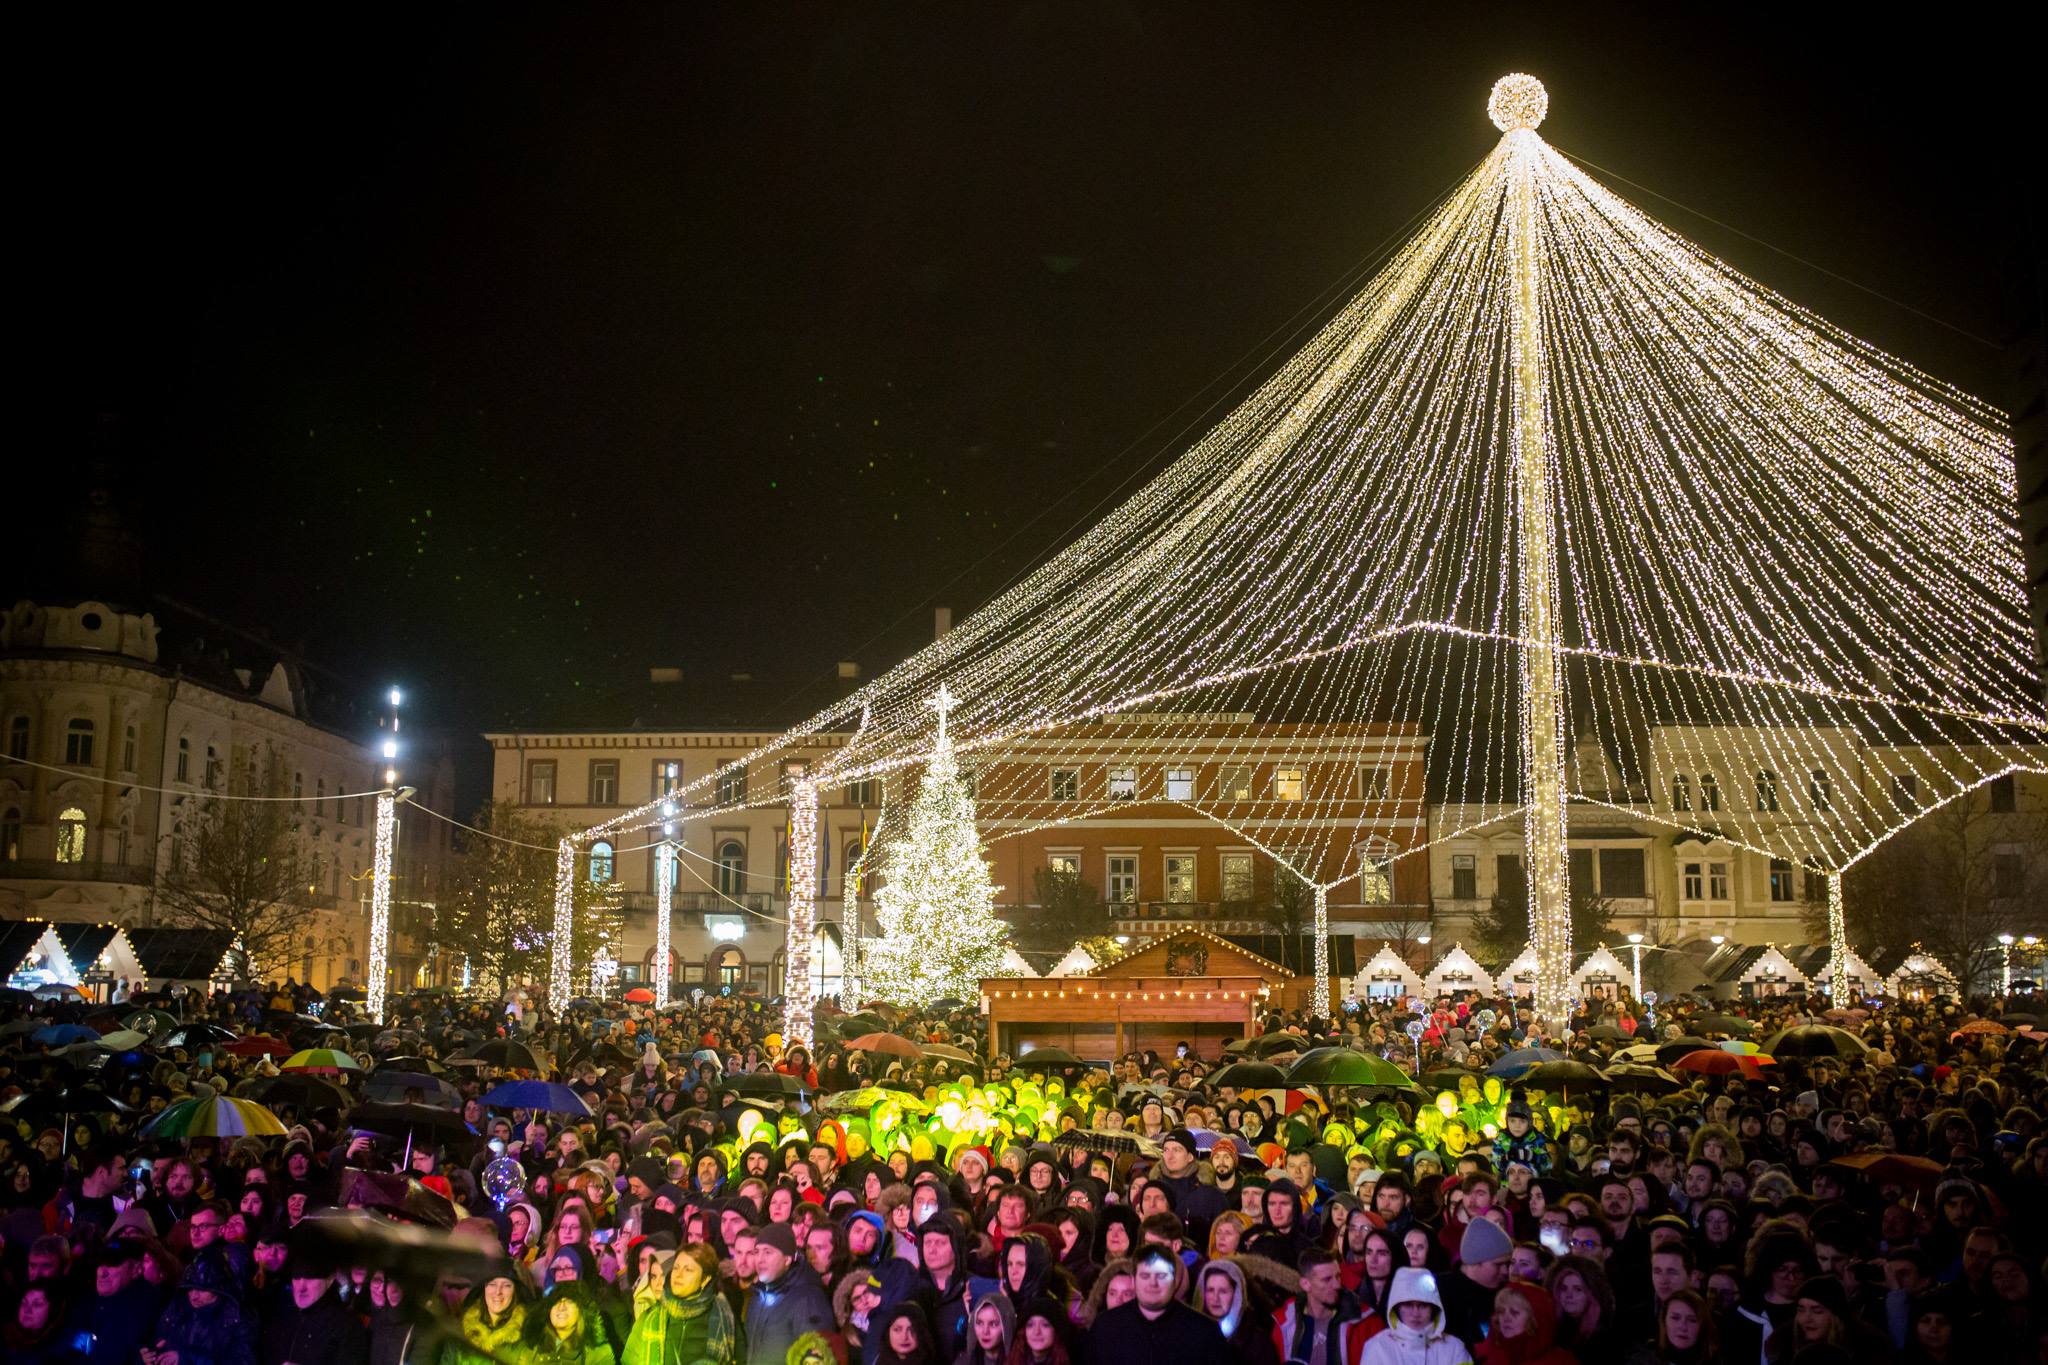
(1191, 987)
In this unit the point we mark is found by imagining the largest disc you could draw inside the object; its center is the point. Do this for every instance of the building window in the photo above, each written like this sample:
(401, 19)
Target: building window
(1510, 882)
(1820, 789)
(184, 759)
(792, 773)
(1123, 879)
(298, 789)
(1287, 784)
(1066, 784)
(728, 967)
(1905, 791)
(71, 835)
(1681, 791)
(2004, 799)
(864, 793)
(17, 737)
(1375, 783)
(1063, 864)
(732, 867)
(212, 774)
(668, 775)
(1710, 792)
(1464, 877)
(1235, 784)
(1622, 874)
(78, 742)
(1782, 884)
(10, 835)
(128, 750)
(1180, 878)
(1717, 881)
(1375, 880)
(540, 782)
(602, 863)
(320, 798)
(1693, 884)
(604, 782)
(1123, 784)
(732, 785)
(1237, 877)
(2008, 874)
(1180, 784)
(1766, 790)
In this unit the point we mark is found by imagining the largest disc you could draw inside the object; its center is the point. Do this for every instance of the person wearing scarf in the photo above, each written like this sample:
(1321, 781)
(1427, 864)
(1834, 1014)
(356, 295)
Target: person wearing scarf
(691, 1322)
(567, 1329)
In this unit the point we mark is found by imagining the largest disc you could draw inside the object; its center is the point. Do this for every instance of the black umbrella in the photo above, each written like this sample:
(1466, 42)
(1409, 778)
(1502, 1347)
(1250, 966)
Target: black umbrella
(1266, 1044)
(769, 1083)
(299, 1088)
(410, 1062)
(1048, 1059)
(1101, 1140)
(1815, 1040)
(1250, 1076)
(507, 1053)
(1446, 1077)
(1724, 1023)
(1667, 1053)
(45, 1104)
(386, 1085)
(1633, 1076)
(194, 1036)
(412, 1122)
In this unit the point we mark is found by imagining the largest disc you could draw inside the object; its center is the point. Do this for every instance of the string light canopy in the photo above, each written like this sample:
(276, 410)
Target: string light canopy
(1609, 525)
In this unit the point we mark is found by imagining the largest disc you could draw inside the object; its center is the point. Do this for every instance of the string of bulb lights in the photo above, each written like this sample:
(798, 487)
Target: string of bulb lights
(1583, 513)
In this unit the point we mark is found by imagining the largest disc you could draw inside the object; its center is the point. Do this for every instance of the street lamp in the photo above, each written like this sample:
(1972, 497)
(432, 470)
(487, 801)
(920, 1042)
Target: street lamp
(1635, 944)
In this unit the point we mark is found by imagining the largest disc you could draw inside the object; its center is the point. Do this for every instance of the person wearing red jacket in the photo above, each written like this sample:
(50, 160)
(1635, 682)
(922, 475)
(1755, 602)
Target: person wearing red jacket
(1523, 1330)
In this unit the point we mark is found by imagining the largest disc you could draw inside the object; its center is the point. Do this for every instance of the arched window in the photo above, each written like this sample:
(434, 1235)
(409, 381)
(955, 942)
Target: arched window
(600, 862)
(78, 742)
(728, 967)
(1710, 792)
(1681, 791)
(732, 867)
(212, 773)
(1766, 790)
(10, 835)
(71, 835)
(17, 737)
(1820, 789)
(128, 749)
(184, 759)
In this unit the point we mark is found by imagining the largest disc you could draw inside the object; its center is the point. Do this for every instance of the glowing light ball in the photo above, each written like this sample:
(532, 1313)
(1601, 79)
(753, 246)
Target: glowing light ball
(1517, 101)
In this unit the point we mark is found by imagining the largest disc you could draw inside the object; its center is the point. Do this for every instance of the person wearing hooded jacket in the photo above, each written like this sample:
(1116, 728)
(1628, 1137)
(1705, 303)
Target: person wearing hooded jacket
(1523, 1330)
(1284, 1234)
(951, 1289)
(1415, 1328)
(1223, 1295)
(203, 1324)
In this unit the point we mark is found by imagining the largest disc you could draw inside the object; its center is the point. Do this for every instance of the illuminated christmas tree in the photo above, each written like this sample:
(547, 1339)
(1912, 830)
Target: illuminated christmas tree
(936, 904)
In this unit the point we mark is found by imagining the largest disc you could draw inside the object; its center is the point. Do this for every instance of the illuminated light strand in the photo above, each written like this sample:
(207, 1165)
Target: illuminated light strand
(664, 911)
(380, 903)
(1781, 556)
(799, 992)
(565, 927)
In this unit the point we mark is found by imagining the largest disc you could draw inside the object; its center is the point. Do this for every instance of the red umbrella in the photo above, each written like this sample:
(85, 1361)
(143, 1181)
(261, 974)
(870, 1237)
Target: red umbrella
(888, 1043)
(640, 995)
(258, 1045)
(1714, 1062)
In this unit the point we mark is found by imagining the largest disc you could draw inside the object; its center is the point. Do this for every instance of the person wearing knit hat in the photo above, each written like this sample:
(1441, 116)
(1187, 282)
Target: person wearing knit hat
(1483, 1241)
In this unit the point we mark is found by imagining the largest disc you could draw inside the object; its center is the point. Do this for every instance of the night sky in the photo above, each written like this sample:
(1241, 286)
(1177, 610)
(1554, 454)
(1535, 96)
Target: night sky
(505, 357)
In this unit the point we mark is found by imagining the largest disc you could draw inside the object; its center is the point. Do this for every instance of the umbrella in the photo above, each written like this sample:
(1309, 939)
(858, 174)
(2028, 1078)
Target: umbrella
(866, 1098)
(15, 1027)
(542, 1095)
(2021, 1019)
(1513, 1064)
(1101, 1140)
(1653, 1080)
(122, 1040)
(1638, 1052)
(1562, 1075)
(1724, 1023)
(852, 1025)
(948, 1002)
(1714, 1062)
(215, 1116)
(772, 1084)
(1342, 1066)
(949, 1052)
(44, 1104)
(1890, 1168)
(57, 1035)
(1048, 1059)
(411, 1121)
(1605, 1033)
(1266, 1044)
(1741, 1047)
(1250, 1076)
(889, 1044)
(1842, 1013)
(258, 1045)
(151, 1022)
(1446, 1077)
(322, 1060)
(640, 995)
(506, 1053)
(1981, 1026)
(1670, 1052)
(57, 990)
(195, 1036)
(410, 1062)
(1816, 1040)
(388, 1086)
(300, 1088)
(352, 993)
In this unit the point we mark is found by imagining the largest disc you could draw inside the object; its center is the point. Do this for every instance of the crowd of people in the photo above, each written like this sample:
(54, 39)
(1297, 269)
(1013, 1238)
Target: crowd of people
(699, 1192)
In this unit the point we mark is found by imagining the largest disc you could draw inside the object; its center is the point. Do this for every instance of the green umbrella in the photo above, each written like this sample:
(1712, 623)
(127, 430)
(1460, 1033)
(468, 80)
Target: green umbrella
(1343, 1066)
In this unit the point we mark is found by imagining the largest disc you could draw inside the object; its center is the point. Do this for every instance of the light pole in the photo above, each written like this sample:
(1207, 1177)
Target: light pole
(380, 876)
(2005, 942)
(1635, 945)
(664, 899)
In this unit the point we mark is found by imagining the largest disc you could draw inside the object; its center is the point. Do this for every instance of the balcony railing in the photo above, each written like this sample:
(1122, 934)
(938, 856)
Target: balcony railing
(50, 869)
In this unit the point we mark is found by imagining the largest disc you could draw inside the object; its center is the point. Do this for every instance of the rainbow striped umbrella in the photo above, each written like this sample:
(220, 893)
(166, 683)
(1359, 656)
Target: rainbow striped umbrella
(215, 1116)
(320, 1060)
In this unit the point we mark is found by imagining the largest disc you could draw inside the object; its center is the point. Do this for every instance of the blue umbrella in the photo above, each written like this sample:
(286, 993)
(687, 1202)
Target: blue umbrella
(543, 1095)
(57, 1035)
(1521, 1060)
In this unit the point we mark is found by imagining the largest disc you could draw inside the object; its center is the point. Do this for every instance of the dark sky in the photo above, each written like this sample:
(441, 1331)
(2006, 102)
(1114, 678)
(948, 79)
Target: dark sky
(506, 356)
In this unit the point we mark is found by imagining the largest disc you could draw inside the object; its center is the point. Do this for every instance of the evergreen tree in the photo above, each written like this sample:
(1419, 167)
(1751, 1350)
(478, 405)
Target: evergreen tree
(935, 906)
